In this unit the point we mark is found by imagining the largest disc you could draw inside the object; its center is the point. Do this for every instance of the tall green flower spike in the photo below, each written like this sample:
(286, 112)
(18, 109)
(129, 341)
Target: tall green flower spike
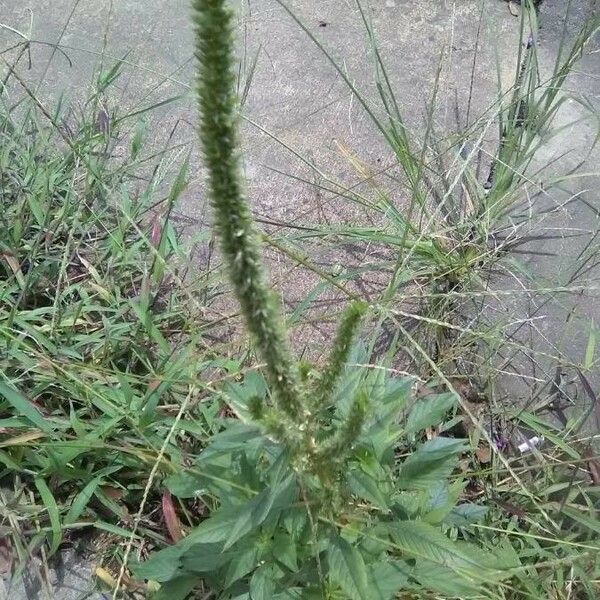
(294, 420)
(339, 352)
(232, 217)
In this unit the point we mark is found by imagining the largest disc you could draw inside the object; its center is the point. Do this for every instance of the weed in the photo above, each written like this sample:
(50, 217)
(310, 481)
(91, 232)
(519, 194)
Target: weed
(98, 334)
(289, 525)
(124, 409)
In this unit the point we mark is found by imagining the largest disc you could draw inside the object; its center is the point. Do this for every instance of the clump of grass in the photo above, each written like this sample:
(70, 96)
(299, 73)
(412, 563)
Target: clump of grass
(100, 339)
(462, 212)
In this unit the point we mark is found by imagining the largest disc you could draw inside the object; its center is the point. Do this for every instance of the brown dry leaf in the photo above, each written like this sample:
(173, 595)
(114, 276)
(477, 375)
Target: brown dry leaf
(105, 577)
(154, 383)
(594, 467)
(512, 509)
(156, 232)
(464, 465)
(431, 433)
(113, 493)
(484, 454)
(23, 438)
(15, 267)
(170, 516)
(512, 7)
(468, 391)
(422, 391)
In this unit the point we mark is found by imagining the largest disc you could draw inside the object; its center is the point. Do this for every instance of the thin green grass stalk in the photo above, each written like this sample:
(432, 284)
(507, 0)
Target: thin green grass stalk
(233, 221)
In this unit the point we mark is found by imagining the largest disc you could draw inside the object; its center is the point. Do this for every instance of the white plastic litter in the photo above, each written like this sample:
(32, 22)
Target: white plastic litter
(530, 444)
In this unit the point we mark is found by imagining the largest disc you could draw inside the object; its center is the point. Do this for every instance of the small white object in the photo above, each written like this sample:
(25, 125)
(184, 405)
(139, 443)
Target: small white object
(530, 444)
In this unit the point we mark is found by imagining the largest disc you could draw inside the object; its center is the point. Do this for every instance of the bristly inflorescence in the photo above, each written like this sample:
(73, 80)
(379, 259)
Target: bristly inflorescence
(294, 420)
(232, 218)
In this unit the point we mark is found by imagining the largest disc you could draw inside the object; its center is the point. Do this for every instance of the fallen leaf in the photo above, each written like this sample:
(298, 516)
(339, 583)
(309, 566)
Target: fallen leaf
(104, 576)
(512, 509)
(431, 433)
(484, 454)
(154, 383)
(13, 263)
(111, 492)
(23, 438)
(155, 234)
(594, 467)
(170, 516)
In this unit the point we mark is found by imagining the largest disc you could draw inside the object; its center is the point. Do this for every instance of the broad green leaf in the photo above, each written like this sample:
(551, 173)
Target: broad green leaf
(466, 513)
(429, 411)
(53, 514)
(238, 395)
(233, 522)
(201, 550)
(347, 569)
(410, 503)
(375, 541)
(442, 499)
(209, 559)
(24, 407)
(439, 502)
(441, 447)
(366, 487)
(295, 521)
(507, 555)
(234, 438)
(254, 512)
(185, 484)
(215, 478)
(350, 381)
(177, 589)
(296, 593)
(421, 540)
(382, 436)
(243, 562)
(386, 579)
(382, 430)
(431, 462)
(162, 566)
(262, 584)
(396, 392)
(284, 551)
(82, 500)
(444, 580)
(214, 529)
